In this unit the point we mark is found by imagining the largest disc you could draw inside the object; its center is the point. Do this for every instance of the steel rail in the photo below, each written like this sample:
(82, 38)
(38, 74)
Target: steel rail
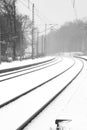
(28, 72)
(38, 86)
(81, 58)
(22, 126)
(29, 68)
(22, 67)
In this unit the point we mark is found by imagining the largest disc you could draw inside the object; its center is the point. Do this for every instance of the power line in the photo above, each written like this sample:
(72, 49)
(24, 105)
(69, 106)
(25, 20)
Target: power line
(49, 28)
(37, 13)
(44, 19)
(30, 10)
(25, 5)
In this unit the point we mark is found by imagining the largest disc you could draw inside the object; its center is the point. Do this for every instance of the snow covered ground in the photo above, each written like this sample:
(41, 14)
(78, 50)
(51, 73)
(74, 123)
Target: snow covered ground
(13, 87)
(76, 108)
(5, 65)
(14, 114)
(46, 120)
(72, 105)
(68, 106)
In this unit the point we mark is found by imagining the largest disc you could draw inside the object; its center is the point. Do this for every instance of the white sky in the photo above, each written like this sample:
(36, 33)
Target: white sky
(56, 11)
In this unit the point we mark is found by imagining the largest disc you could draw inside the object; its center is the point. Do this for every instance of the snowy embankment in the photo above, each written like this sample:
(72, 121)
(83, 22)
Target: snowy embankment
(7, 65)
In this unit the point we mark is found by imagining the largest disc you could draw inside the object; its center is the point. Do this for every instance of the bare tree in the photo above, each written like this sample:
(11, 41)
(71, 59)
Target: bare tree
(25, 32)
(16, 27)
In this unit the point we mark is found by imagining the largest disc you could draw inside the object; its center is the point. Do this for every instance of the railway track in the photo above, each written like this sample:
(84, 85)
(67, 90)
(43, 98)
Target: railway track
(13, 73)
(24, 66)
(84, 58)
(36, 113)
(30, 70)
(36, 87)
(29, 120)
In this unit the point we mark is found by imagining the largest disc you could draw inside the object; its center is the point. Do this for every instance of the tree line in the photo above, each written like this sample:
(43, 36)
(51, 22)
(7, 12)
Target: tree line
(13, 31)
(71, 37)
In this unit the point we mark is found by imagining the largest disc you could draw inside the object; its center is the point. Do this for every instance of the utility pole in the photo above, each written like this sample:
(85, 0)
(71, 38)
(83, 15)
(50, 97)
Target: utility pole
(37, 42)
(21, 44)
(74, 7)
(32, 31)
(14, 18)
(45, 39)
(43, 44)
(0, 45)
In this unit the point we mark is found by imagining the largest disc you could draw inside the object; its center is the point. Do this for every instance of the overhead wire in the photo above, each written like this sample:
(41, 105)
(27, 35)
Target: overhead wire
(37, 13)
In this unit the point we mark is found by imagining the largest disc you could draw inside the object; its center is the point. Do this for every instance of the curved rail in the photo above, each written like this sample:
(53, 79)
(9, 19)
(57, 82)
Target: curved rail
(48, 65)
(81, 58)
(38, 86)
(21, 127)
(22, 67)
